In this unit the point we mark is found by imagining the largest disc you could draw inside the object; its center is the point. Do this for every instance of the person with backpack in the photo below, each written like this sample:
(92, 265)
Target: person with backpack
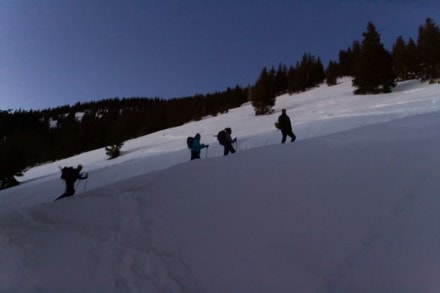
(195, 146)
(225, 139)
(70, 175)
(285, 126)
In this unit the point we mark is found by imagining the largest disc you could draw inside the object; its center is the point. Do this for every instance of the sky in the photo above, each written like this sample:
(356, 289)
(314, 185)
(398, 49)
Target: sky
(351, 206)
(54, 53)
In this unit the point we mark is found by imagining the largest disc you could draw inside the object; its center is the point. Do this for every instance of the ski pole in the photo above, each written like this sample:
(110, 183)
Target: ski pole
(206, 154)
(85, 176)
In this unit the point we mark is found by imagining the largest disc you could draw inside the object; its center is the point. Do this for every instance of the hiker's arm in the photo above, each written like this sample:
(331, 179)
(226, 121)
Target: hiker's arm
(83, 175)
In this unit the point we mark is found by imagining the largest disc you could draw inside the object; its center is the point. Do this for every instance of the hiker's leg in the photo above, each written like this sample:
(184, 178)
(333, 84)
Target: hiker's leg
(293, 136)
(283, 140)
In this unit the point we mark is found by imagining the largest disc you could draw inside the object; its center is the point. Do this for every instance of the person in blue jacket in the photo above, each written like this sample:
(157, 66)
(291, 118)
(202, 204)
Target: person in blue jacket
(196, 147)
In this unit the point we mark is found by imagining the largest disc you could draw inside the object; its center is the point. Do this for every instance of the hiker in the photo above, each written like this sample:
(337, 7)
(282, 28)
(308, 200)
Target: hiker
(225, 139)
(196, 147)
(285, 126)
(70, 175)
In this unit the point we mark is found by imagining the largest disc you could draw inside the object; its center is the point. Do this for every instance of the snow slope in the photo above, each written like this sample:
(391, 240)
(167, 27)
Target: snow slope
(351, 206)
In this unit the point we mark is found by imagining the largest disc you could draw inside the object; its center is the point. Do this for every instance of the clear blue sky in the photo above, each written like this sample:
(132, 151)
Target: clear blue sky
(58, 52)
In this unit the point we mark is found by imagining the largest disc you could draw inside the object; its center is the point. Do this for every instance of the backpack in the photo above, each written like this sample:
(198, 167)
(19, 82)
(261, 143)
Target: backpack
(189, 141)
(67, 173)
(221, 137)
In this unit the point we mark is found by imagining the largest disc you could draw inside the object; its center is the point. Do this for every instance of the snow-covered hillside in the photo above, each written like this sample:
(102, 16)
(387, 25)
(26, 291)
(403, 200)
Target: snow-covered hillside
(351, 206)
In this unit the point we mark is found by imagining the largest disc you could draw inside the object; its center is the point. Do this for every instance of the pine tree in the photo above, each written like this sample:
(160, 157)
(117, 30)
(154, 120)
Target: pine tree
(347, 59)
(281, 80)
(373, 70)
(309, 72)
(318, 72)
(293, 80)
(331, 73)
(405, 59)
(345, 62)
(12, 161)
(412, 60)
(263, 93)
(428, 46)
(399, 59)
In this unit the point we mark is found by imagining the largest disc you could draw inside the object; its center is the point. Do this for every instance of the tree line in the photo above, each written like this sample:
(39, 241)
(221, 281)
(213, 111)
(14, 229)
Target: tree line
(29, 138)
(373, 68)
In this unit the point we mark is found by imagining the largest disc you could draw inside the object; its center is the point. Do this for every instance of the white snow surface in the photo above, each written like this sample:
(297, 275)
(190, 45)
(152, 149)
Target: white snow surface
(352, 206)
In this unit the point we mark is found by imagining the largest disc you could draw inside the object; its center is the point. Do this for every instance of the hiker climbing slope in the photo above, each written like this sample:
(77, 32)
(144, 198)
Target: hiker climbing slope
(70, 175)
(225, 139)
(195, 146)
(285, 127)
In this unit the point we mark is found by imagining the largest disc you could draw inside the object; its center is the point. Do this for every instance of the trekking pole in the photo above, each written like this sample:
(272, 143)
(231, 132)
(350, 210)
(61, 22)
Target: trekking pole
(85, 177)
(77, 185)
